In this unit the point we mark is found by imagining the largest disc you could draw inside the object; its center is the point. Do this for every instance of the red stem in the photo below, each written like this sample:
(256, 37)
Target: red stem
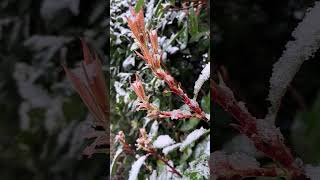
(247, 125)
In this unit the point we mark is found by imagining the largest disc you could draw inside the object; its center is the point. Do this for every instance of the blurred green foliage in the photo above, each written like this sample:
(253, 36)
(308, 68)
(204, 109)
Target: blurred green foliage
(43, 121)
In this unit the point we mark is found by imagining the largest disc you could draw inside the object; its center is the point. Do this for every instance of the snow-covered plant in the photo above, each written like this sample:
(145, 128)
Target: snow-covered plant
(263, 133)
(179, 134)
(89, 82)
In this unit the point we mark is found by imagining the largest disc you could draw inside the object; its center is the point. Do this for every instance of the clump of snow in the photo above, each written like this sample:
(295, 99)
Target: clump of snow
(168, 149)
(204, 76)
(129, 61)
(193, 136)
(306, 43)
(135, 168)
(163, 141)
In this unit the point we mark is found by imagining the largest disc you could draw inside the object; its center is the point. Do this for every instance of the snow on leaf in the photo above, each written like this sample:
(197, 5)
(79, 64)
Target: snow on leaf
(153, 176)
(202, 147)
(112, 167)
(192, 137)
(312, 172)
(46, 46)
(168, 149)
(200, 166)
(203, 77)
(306, 43)
(153, 130)
(50, 8)
(129, 61)
(135, 168)
(163, 141)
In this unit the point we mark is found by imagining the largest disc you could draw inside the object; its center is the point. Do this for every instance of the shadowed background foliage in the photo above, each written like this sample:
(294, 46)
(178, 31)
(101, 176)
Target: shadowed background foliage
(43, 121)
(248, 38)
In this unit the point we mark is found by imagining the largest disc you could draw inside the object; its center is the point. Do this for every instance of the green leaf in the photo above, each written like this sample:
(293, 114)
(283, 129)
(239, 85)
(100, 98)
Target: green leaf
(305, 126)
(189, 124)
(194, 22)
(139, 5)
(205, 103)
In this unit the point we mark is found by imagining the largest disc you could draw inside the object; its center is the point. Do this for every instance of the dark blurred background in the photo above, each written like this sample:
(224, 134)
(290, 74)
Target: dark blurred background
(42, 119)
(249, 36)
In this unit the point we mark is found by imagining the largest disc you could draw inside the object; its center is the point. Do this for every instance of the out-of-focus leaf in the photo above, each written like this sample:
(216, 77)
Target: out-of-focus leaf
(193, 22)
(139, 5)
(305, 126)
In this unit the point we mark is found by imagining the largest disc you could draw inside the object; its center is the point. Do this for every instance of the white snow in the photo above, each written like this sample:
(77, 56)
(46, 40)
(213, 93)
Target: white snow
(203, 77)
(135, 168)
(163, 141)
(306, 43)
(168, 149)
(193, 136)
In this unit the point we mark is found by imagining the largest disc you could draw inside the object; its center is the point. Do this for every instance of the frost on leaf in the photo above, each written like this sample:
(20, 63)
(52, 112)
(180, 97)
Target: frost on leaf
(193, 136)
(312, 172)
(135, 168)
(204, 76)
(306, 43)
(163, 141)
(168, 149)
(200, 167)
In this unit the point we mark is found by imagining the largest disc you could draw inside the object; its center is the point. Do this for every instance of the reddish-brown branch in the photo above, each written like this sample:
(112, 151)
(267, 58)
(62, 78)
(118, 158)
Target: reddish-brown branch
(152, 55)
(276, 149)
(168, 164)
